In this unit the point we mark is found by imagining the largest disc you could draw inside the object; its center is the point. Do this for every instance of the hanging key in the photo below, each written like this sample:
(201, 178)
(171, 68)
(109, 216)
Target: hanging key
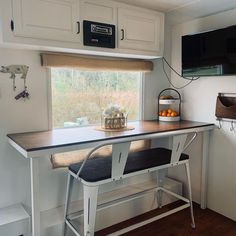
(14, 84)
(24, 94)
(20, 95)
(13, 77)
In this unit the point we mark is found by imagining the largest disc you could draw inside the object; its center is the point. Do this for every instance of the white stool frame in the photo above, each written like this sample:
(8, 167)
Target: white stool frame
(120, 151)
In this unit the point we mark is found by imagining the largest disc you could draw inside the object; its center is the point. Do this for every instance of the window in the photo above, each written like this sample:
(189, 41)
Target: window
(78, 97)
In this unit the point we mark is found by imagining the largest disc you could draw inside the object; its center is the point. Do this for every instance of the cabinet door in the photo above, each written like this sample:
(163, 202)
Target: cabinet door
(102, 11)
(140, 30)
(47, 19)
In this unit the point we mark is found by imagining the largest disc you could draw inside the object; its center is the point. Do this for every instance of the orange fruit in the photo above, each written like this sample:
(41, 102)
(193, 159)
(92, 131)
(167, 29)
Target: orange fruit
(168, 115)
(169, 110)
(160, 112)
(164, 113)
(173, 113)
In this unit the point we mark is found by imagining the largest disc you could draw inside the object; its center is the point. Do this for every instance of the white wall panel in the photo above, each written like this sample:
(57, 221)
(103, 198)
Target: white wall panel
(32, 115)
(199, 104)
(19, 116)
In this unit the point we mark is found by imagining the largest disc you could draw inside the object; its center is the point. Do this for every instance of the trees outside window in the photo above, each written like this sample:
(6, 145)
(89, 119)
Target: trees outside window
(78, 97)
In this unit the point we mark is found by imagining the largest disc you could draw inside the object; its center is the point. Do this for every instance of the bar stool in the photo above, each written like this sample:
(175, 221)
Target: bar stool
(96, 171)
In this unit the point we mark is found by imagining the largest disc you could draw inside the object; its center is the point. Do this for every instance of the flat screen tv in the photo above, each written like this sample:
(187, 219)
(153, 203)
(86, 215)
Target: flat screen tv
(209, 53)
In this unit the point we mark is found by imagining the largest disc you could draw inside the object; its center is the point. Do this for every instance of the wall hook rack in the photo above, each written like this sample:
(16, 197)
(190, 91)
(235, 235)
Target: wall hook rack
(232, 128)
(14, 70)
(220, 123)
(226, 109)
(231, 121)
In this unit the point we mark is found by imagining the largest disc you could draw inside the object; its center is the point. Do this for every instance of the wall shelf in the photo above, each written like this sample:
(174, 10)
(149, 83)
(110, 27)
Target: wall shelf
(14, 220)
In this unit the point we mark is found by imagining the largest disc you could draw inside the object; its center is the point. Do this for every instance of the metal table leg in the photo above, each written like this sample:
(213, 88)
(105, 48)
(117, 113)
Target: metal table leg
(35, 206)
(204, 177)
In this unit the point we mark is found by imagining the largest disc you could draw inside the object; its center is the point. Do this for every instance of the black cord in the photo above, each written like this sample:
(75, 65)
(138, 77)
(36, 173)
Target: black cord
(193, 78)
(169, 79)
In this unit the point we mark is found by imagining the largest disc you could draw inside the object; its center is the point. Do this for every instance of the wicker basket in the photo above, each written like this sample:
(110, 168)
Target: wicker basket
(114, 122)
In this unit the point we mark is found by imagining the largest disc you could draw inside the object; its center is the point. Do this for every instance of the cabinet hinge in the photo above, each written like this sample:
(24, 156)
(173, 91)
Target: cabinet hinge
(12, 25)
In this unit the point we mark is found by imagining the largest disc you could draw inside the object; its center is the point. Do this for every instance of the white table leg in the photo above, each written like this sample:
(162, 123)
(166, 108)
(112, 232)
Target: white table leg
(205, 156)
(35, 206)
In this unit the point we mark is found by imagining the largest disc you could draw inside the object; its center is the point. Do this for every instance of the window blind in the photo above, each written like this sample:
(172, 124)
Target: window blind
(95, 64)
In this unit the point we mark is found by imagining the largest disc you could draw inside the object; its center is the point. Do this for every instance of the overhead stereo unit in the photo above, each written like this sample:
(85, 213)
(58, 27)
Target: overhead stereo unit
(99, 34)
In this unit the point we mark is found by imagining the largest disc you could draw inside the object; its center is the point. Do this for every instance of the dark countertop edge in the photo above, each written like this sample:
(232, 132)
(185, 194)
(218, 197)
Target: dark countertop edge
(100, 140)
(201, 124)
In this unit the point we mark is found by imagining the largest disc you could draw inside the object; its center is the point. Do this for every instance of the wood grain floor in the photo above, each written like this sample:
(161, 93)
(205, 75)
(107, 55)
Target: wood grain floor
(208, 223)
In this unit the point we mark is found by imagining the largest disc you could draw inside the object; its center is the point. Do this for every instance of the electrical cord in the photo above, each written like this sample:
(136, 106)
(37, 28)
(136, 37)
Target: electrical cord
(169, 79)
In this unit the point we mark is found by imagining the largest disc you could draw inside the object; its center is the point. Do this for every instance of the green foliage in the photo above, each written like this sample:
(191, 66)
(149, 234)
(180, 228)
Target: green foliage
(85, 94)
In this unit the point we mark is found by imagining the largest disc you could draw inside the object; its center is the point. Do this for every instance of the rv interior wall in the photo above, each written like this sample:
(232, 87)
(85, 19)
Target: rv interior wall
(19, 116)
(32, 115)
(199, 104)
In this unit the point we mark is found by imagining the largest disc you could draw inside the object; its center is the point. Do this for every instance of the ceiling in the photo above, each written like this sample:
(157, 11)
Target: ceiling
(178, 11)
(160, 5)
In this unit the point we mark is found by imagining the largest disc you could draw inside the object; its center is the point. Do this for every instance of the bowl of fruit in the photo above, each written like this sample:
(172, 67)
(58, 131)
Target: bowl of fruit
(169, 105)
(168, 115)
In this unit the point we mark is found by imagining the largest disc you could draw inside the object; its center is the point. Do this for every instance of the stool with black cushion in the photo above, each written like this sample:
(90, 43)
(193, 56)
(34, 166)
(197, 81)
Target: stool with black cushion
(97, 171)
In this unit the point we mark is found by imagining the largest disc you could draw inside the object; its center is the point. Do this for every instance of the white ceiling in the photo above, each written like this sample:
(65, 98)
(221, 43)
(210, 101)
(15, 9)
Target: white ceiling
(178, 11)
(160, 5)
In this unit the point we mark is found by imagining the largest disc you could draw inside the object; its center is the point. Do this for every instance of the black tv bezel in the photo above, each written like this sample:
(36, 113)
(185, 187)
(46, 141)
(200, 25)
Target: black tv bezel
(199, 33)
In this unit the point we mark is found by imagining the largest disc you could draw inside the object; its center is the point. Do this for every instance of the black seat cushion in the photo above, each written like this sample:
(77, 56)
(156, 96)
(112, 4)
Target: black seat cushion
(100, 168)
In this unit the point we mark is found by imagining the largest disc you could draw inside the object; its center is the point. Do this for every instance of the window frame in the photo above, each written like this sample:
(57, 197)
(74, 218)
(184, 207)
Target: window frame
(49, 92)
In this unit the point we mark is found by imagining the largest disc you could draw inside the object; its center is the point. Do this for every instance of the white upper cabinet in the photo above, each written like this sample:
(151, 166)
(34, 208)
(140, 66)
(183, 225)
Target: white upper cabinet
(58, 25)
(140, 30)
(99, 11)
(47, 19)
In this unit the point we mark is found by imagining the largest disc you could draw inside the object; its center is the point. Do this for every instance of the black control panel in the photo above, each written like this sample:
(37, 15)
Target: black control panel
(99, 34)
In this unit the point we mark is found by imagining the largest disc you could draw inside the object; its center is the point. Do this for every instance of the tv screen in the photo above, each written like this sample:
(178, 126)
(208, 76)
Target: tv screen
(210, 53)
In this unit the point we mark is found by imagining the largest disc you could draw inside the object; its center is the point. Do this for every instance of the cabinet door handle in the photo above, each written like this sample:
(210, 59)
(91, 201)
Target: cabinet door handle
(122, 34)
(78, 24)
